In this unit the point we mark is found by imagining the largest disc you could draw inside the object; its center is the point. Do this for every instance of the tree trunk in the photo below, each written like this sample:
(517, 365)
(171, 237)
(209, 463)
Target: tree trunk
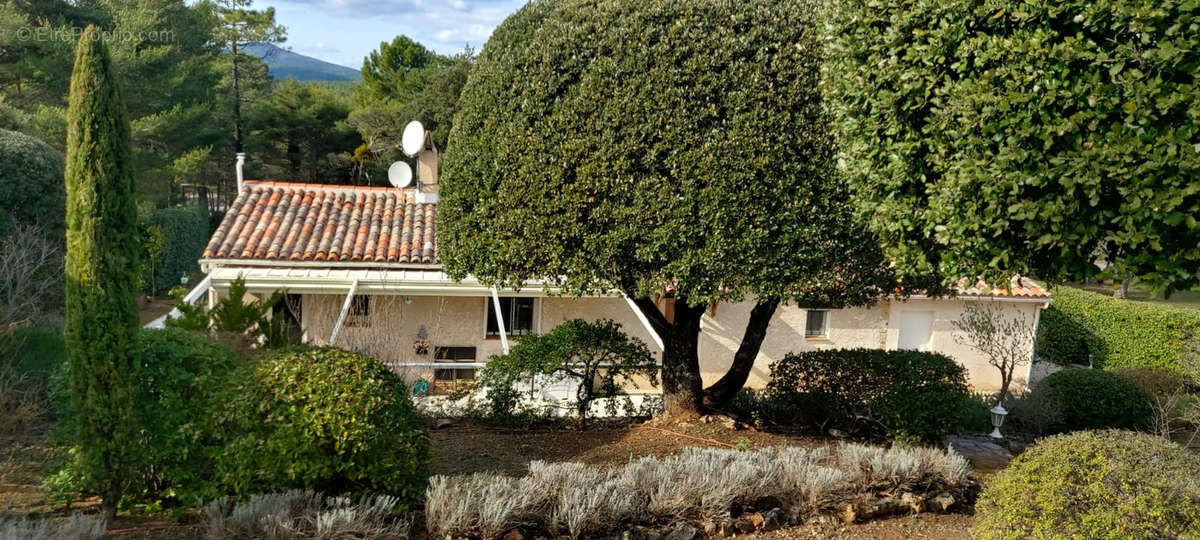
(108, 508)
(237, 102)
(683, 392)
(1123, 291)
(743, 360)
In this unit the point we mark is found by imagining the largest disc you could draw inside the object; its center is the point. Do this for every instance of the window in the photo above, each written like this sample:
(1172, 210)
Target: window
(817, 324)
(518, 316)
(360, 311)
(450, 356)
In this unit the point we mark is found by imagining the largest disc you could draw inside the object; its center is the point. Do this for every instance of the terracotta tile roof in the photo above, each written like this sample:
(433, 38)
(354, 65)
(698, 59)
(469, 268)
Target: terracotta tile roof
(316, 222)
(1021, 287)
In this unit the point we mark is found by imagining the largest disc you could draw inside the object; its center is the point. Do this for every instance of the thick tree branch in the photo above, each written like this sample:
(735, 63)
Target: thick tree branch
(743, 360)
(657, 321)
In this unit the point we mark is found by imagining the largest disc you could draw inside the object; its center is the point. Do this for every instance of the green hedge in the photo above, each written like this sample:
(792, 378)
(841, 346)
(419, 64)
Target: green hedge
(184, 231)
(1118, 333)
(911, 394)
(323, 419)
(1094, 484)
(1094, 399)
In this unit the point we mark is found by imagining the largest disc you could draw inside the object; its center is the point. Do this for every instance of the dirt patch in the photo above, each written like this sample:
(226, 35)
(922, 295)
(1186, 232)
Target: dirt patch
(928, 526)
(154, 308)
(466, 448)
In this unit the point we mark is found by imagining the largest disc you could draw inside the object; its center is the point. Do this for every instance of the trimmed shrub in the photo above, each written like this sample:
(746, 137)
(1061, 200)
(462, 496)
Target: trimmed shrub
(1094, 484)
(32, 188)
(1155, 381)
(698, 484)
(179, 375)
(1119, 333)
(323, 419)
(304, 514)
(1094, 399)
(183, 231)
(911, 394)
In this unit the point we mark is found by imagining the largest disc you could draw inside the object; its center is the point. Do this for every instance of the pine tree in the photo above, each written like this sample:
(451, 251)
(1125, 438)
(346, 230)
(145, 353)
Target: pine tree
(101, 270)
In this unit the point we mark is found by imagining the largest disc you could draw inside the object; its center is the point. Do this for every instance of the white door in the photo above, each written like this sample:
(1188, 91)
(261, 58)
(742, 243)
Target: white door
(916, 327)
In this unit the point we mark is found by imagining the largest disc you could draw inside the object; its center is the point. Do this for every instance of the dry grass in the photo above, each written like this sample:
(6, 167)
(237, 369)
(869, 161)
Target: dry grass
(76, 527)
(304, 514)
(698, 484)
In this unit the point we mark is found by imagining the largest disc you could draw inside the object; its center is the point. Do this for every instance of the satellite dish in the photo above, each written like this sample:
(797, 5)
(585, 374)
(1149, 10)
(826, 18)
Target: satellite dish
(413, 138)
(400, 174)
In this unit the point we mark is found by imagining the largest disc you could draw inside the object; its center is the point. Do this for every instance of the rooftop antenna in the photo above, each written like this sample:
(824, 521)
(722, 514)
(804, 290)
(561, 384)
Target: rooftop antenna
(413, 138)
(400, 174)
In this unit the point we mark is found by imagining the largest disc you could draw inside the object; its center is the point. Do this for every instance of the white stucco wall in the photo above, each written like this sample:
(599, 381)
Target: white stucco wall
(874, 327)
(460, 321)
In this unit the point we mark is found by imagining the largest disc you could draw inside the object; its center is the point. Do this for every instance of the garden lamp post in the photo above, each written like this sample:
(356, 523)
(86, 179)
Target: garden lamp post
(183, 280)
(998, 414)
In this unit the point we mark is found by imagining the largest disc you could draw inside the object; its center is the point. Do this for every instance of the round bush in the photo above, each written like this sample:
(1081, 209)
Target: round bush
(323, 419)
(33, 191)
(1094, 399)
(1094, 484)
(912, 394)
(1155, 381)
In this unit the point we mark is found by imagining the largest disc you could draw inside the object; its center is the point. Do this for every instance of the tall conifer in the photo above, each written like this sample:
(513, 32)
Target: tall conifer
(101, 270)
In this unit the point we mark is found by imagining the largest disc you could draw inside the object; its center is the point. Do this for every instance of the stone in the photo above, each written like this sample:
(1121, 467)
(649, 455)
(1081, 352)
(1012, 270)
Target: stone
(837, 433)
(726, 528)
(683, 531)
(514, 534)
(442, 423)
(724, 421)
(941, 503)
(885, 506)
(769, 520)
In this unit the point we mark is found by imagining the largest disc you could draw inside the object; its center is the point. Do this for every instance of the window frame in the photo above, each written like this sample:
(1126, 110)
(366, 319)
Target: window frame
(534, 317)
(827, 315)
(440, 356)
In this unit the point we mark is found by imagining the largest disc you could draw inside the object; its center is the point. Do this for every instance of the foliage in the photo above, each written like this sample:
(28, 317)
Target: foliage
(1118, 333)
(298, 513)
(1155, 381)
(234, 314)
(31, 278)
(912, 395)
(397, 68)
(32, 191)
(1033, 414)
(597, 357)
(323, 419)
(101, 271)
(577, 500)
(1094, 399)
(184, 232)
(730, 192)
(179, 373)
(986, 136)
(1003, 341)
(976, 414)
(299, 134)
(1094, 484)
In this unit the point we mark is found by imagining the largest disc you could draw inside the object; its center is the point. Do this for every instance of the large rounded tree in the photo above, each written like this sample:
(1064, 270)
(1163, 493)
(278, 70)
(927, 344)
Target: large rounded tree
(655, 146)
(985, 136)
(31, 192)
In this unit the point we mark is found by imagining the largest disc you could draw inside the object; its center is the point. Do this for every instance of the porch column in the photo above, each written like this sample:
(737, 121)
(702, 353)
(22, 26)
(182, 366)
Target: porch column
(337, 327)
(499, 319)
(645, 322)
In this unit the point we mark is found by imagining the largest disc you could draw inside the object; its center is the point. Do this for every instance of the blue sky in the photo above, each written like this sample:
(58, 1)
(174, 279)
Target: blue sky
(344, 31)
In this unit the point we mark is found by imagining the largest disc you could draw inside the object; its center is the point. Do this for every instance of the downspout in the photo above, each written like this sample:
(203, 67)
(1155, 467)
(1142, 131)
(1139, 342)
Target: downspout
(337, 327)
(645, 322)
(499, 319)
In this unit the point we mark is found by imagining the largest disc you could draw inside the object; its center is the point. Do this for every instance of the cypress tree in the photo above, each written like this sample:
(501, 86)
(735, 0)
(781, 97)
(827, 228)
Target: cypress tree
(101, 270)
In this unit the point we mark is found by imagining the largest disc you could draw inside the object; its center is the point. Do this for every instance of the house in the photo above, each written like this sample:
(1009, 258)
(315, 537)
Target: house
(361, 269)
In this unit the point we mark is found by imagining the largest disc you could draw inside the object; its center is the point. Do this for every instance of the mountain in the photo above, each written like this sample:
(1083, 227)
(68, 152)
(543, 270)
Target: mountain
(283, 63)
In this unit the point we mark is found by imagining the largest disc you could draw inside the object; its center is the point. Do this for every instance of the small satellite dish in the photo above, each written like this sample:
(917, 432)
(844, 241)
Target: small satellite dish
(400, 174)
(413, 138)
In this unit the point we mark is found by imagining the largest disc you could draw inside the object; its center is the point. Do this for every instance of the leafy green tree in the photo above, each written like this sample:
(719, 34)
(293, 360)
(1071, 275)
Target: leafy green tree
(597, 356)
(656, 147)
(101, 269)
(985, 136)
(397, 69)
(32, 191)
(239, 26)
(301, 134)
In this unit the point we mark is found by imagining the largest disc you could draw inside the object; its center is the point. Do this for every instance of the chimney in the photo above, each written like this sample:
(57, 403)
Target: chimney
(427, 171)
(241, 161)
